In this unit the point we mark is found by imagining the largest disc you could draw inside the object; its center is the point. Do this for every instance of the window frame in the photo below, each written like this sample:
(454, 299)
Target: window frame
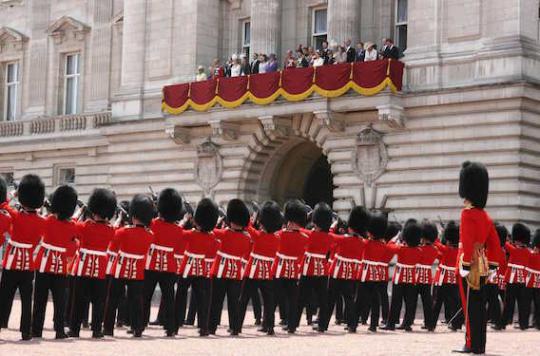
(4, 172)
(245, 46)
(57, 174)
(76, 77)
(7, 86)
(398, 24)
(315, 35)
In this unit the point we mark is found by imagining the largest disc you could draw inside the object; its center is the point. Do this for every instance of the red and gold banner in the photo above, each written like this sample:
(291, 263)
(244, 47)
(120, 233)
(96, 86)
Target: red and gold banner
(296, 84)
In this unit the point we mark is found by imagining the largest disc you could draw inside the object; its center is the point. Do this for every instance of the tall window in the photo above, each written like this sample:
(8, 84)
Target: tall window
(401, 24)
(10, 91)
(318, 28)
(64, 175)
(246, 37)
(71, 83)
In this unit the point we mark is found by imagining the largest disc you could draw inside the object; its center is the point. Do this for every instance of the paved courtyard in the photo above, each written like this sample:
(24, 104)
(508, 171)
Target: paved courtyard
(251, 343)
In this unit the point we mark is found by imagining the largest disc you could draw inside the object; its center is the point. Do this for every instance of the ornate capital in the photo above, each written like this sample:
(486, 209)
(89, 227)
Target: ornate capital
(333, 121)
(180, 135)
(226, 130)
(276, 126)
(67, 27)
(392, 116)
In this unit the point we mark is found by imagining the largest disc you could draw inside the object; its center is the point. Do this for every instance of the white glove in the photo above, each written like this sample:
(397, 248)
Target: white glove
(463, 273)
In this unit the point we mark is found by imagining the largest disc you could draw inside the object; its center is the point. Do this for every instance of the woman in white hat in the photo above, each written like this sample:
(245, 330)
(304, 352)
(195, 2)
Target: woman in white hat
(201, 74)
(371, 52)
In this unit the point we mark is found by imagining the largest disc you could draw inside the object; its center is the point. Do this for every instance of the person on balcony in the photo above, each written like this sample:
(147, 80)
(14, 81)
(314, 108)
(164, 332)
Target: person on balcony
(201, 74)
(389, 50)
(350, 50)
(317, 59)
(340, 56)
(236, 68)
(290, 60)
(360, 52)
(272, 65)
(254, 65)
(244, 64)
(263, 62)
(371, 53)
(216, 70)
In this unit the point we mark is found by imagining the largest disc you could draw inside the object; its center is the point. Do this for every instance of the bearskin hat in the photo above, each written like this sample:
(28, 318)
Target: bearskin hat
(429, 231)
(377, 226)
(392, 230)
(451, 233)
(170, 205)
(521, 233)
(31, 191)
(474, 183)
(237, 212)
(502, 231)
(270, 217)
(3, 190)
(102, 202)
(536, 239)
(322, 216)
(359, 220)
(412, 234)
(206, 215)
(64, 202)
(142, 208)
(296, 212)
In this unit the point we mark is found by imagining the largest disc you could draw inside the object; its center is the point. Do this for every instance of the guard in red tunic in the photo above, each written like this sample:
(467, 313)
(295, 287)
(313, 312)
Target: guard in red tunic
(533, 277)
(161, 265)
(478, 252)
(226, 273)
(445, 282)
(495, 284)
(404, 280)
(199, 245)
(18, 267)
(314, 270)
(128, 271)
(51, 262)
(89, 267)
(286, 267)
(180, 298)
(516, 277)
(258, 272)
(5, 218)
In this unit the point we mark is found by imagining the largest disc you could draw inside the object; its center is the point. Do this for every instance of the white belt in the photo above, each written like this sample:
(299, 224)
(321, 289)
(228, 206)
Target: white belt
(193, 255)
(112, 253)
(19, 244)
(230, 257)
(345, 259)
(532, 270)
(130, 255)
(178, 256)
(208, 260)
(285, 257)
(423, 266)
(161, 248)
(375, 263)
(53, 247)
(447, 268)
(261, 257)
(93, 252)
(402, 265)
(315, 255)
(511, 265)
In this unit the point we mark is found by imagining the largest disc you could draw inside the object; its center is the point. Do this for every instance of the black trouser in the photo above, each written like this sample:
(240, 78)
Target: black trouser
(493, 303)
(517, 292)
(192, 311)
(88, 290)
(382, 289)
(180, 302)
(424, 290)
(200, 294)
(476, 320)
(340, 307)
(343, 288)
(370, 293)
(232, 288)
(10, 282)
(166, 282)
(535, 296)
(256, 303)
(135, 303)
(449, 295)
(252, 287)
(308, 286)
(400, 292)
(288, 290)
(56, 283)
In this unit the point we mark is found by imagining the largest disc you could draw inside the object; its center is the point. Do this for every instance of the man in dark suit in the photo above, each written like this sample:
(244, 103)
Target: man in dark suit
(389, 50)
(254, 65)
(351, 52)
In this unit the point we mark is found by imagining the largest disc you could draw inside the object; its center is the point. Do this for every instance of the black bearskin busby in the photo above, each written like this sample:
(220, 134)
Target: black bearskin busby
(3, 190)
(412, 234)
(142, 208)
(206, 215)
(502, 232)
(377, 226)
(31, 191)
(359, 220)
(64, 202)
(237, 213)
(536, 239)
(392, 230)
(451, 233)
(270, 217)
(429, 231)
(102, 202)
(296, 212)
(170, 205)
(521, 233)
(474, 183)
(322, 216)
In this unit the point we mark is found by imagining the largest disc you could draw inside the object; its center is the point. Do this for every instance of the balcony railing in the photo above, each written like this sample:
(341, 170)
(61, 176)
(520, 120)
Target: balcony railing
(55, 124)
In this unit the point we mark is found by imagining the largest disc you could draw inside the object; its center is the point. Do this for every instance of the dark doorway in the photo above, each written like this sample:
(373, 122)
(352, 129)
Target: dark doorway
(318, 186)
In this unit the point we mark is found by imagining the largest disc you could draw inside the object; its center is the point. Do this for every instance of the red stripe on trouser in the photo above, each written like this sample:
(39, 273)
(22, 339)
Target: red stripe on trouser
(464, 302)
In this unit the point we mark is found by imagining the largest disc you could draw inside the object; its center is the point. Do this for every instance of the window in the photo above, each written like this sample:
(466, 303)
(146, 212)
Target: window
(10, 91)
(64, 175)
(246, 37)
(319, 28)
(8, 176)
(401, 24)
(71, 83)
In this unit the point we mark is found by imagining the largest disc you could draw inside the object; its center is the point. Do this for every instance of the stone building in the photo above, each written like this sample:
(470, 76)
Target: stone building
(81, 89)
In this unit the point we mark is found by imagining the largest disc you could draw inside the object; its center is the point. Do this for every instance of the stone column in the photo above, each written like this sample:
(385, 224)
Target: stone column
(133, 47)
(265, 26)
(343, 20)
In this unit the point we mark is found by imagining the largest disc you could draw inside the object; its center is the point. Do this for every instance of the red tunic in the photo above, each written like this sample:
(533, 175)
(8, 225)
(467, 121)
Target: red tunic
(347, 256)
(263, 252)
(232, 253)
(199, 245)
(58, 241)
(375, 258)
(94, 239)
(407, 259)
(428, 255)
(446, 271)
(179, 249)
(133, 244)
(518, 261)
(498, 277)
(314, 262)
(161, 254)
(291, 248)
(26, 231)
(533, 270)
(5, 223)
(112, 255)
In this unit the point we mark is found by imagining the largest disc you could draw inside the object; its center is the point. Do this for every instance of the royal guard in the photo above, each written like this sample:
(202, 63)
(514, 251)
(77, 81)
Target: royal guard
(128, 270)
(161, 265)
(89, 267)
(180, 298)
(533, 277)
(314, 266)
(286, 267)
(226, 272)
(5, 218)
(516, 277)
(478, 253)
(392, 231)
(496, 285)
(258, 272)
(199, 245)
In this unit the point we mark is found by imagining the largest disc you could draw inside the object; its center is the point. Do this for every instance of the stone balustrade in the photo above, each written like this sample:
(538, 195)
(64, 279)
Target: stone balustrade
(54, 124)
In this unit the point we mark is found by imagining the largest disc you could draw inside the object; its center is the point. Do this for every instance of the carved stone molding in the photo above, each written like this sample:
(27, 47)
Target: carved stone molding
(67, 28)
(276, 126)
(180, 135)
(392, 116)
(209, 166)
(11, 40)
(334, 121)
(235, 4)
(370, 157)
(225, 130)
